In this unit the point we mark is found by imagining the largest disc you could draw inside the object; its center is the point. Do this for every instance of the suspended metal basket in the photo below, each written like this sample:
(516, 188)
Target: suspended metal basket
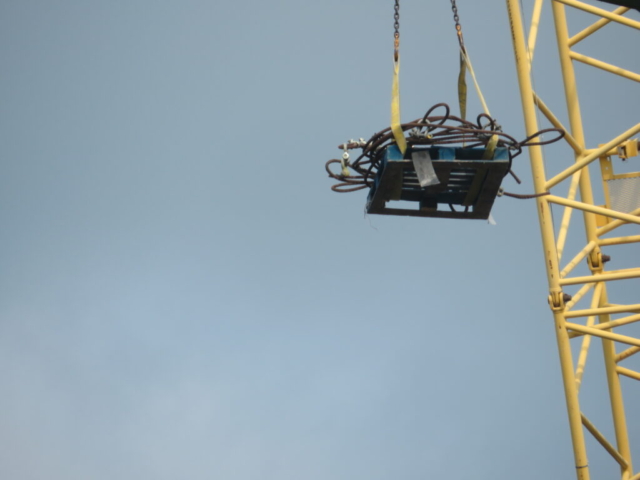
(452, 168)
(465, 184)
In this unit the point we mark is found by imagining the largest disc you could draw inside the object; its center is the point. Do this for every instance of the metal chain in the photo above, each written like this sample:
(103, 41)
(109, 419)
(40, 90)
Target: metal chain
(456, 19)
(396, 18)
(396, 26)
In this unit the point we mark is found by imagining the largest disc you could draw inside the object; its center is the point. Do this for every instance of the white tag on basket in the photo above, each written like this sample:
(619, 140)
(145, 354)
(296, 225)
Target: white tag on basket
(424, 168)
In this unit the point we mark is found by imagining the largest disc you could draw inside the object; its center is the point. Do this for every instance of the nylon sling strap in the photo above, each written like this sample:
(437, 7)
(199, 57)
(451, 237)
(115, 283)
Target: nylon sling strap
(464, 56)
(465, 64)
(396, 128)
(462, 87)
(491, 148)
(462, 76)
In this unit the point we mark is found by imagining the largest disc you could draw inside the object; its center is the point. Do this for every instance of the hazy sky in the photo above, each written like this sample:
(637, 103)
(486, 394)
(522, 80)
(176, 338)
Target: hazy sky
(183, 297)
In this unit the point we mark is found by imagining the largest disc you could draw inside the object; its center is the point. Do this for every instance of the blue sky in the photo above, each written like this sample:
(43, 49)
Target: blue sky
(181, 294)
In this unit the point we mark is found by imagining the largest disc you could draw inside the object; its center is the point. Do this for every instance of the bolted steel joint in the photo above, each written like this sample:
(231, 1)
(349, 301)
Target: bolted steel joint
(558, 300)
(596, 260)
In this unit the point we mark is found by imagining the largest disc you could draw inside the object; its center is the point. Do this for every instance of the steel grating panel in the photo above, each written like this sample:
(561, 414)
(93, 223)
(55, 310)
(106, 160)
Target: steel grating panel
(624, 194)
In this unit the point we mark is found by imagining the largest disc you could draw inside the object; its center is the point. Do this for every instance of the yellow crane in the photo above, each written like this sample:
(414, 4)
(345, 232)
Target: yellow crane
(597, 204)
(582, 306)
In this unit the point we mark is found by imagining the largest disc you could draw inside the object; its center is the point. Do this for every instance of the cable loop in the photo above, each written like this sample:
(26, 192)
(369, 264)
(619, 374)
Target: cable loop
(425, 119)
(528, 143)
(456, 19)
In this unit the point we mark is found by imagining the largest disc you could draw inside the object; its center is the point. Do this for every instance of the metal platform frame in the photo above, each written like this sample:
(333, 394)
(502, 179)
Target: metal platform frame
(467, 189)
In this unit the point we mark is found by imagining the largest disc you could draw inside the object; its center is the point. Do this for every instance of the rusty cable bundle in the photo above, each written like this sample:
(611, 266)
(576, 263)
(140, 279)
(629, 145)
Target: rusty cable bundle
(429, 130)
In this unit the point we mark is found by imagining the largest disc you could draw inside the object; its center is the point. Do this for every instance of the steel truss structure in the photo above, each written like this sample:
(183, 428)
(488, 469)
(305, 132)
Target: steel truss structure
(586, 315)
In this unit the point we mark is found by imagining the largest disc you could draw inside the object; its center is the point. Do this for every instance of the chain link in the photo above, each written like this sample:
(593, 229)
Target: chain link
(396, 18)
(396, 35)
(456, 19)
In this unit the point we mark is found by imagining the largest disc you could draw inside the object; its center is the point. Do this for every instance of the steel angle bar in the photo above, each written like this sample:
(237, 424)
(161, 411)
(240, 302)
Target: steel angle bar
(578, 37)
(616, 337)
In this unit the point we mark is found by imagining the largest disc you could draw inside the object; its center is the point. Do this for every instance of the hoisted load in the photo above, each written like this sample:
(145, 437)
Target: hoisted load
(445, 167)
(451, 168)
(461, 180)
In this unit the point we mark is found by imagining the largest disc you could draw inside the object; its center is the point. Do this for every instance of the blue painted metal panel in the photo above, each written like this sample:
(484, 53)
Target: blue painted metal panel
(466, 180)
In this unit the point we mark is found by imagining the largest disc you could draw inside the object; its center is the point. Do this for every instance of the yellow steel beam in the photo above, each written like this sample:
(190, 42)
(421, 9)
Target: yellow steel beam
(553, 245)
(578, 258)
(616, 223)
(603, 311)
(533, 30)
(602, 13)
(546, 111)
(628, 373)
(595, 27)
(618, 322)
(584, 352)
(586, 341)
(619, 240)
(549, 242)
(603, 277)
(604, 442)
(627, 353)
(615, 391)
(578, 296)
(591, 156)
(566, 215)
(612, 323)
(616, 337)
(589, 207)
(605, 66)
